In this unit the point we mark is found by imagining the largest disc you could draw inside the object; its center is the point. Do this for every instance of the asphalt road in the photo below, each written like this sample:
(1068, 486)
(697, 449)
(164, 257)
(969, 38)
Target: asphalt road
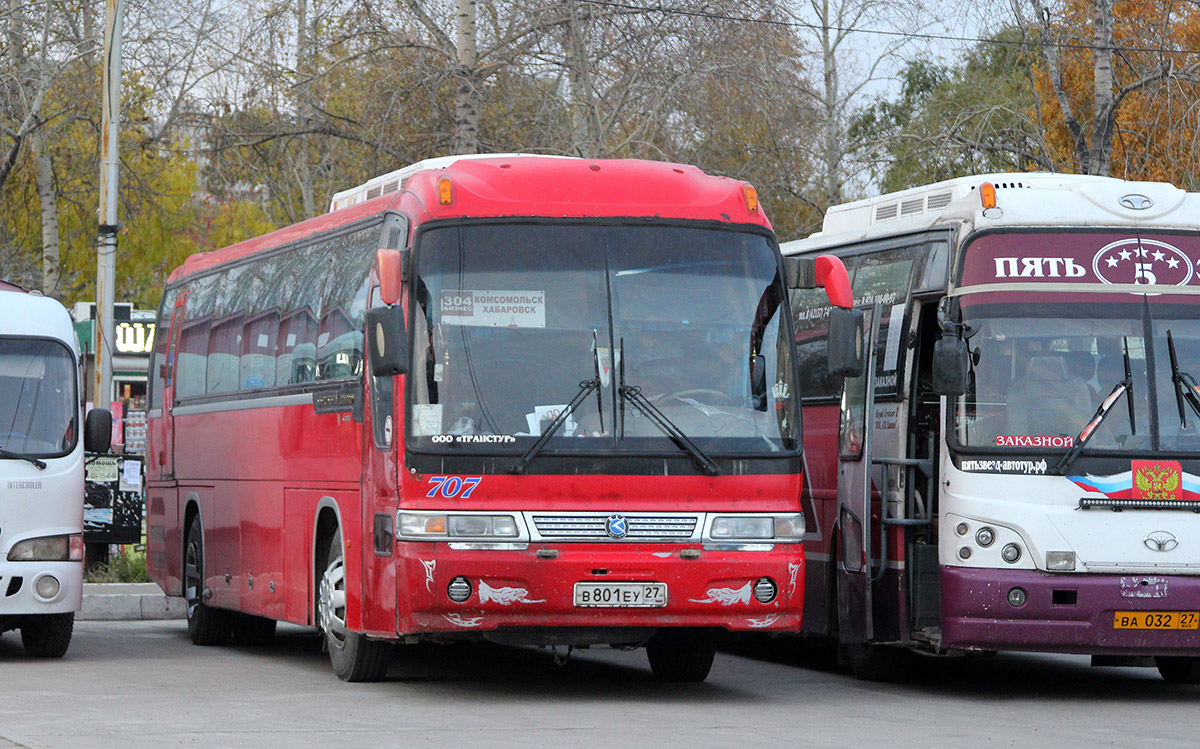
(143, 684)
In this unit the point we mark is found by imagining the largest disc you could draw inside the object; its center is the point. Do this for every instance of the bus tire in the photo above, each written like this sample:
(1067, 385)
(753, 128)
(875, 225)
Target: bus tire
(253, 630)
(878, 662)
(206, 625)
(352, 655)
(1178, 669)
(681, 655)
(47, 635)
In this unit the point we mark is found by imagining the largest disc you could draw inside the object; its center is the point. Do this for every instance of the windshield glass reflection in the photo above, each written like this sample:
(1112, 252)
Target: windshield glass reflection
(37, 398)
(512, 319)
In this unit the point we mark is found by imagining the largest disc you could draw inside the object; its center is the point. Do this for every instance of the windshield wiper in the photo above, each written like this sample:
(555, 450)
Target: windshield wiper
(633, 394)
(1125, 387)
(1186, 388)
(10, 455)
(585, 387)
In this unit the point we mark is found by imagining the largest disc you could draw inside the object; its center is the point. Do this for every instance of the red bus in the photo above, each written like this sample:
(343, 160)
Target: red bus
(576, 423)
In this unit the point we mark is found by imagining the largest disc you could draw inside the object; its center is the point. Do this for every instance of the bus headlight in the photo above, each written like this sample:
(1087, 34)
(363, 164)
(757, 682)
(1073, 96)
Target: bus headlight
(1060, 561)
(757, 528)
(436, 525)
(742, 527)
(483, 526)
(64, 548)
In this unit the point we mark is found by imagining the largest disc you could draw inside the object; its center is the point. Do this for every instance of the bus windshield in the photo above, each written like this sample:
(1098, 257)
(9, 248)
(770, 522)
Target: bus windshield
(513, 320)
(37, 398)
(1041, 369)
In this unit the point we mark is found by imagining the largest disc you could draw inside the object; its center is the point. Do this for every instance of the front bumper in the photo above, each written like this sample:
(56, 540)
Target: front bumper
(519, 589)
(976, 613)
(18, 593)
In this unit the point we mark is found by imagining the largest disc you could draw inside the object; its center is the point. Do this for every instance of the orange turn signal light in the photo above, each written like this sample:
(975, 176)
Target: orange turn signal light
(751, 196)
(445, 191)
(987, 195)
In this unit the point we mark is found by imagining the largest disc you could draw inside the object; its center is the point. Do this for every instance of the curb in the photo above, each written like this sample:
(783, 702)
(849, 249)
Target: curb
(128, 601)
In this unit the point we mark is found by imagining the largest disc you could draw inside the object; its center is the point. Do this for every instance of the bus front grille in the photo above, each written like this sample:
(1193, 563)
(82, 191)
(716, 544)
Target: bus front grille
(595, 527)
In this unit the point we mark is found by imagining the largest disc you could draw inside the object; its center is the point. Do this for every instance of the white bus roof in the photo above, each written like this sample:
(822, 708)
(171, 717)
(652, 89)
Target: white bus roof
(1023, 199)
(394, 181)
(30, 314)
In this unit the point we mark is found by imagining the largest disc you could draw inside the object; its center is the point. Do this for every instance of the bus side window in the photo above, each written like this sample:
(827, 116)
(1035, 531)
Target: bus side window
(191, 371)
(256, 368)
(340, 340)
(296, 357)
(810, 312)
(224, 347)
(296, 348)
(160, 368)
(256, 365)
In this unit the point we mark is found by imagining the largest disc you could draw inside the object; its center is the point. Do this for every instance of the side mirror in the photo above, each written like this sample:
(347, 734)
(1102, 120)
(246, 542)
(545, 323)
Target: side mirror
(97, 431)
(949, 365)
(387, 337)
(845, 345)
(390, 266)
(824, 271)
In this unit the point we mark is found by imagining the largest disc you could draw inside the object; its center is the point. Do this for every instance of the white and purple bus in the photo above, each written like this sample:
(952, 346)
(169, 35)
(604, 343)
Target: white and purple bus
(1020, 470)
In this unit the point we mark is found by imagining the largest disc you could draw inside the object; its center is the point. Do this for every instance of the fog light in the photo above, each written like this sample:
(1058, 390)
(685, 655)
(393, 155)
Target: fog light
(1060, 561)
(985, 537)
(1016, 597)
(47, 586)
(962, 529)
(459, 589)
(964, 552)
(765, 590)
(1010, 553)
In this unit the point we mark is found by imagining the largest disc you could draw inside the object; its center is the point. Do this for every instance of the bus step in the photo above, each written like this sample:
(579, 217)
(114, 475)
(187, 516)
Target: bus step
(1136, 661)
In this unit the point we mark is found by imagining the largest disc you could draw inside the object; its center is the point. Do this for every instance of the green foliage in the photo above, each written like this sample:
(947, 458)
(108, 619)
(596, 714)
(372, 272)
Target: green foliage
(949, 121)
(126, 567)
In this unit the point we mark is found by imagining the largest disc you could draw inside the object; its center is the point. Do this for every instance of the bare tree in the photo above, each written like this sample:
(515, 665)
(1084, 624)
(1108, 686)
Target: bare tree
(1146, 67)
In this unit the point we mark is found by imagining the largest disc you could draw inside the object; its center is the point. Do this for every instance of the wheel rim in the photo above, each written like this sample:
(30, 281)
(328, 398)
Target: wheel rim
(331, 603)
(192, 584)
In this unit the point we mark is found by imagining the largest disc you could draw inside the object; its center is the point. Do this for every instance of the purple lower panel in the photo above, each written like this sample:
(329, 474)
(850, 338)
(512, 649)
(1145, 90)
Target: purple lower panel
(976, 613)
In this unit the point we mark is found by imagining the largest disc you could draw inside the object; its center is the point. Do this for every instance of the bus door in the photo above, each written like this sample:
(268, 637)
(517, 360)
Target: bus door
(854, 573)
(923, 437)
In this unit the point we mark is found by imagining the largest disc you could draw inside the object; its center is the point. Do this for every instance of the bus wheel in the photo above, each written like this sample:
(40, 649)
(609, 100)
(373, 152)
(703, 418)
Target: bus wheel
(206, 625)
(47, 635)
(353, 656)
(681, 655)
(1178, 669)
(878, 662)
(253, 630)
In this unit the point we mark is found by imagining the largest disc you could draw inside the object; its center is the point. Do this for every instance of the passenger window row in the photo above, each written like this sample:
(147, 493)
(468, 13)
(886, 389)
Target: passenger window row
(285, 319)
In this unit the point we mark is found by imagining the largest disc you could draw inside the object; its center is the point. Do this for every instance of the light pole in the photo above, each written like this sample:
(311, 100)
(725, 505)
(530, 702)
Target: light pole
(106, 249)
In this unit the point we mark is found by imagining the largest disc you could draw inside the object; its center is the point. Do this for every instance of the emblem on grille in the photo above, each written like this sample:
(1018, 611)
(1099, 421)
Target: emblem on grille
(616, 526)
(1160, 541)
(1136, 202)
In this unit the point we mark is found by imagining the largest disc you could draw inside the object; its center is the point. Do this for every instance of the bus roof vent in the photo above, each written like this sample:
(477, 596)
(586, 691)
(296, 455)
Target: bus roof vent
(939, 201)
(886, 212)
(911, 206)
